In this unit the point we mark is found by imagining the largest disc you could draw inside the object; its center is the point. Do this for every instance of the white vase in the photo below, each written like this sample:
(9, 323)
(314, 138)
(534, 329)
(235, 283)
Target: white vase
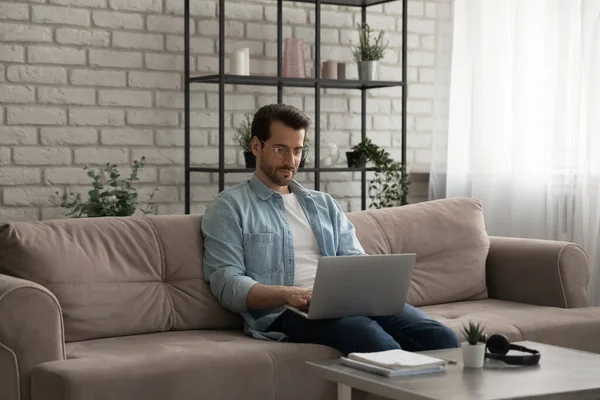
(473, 355)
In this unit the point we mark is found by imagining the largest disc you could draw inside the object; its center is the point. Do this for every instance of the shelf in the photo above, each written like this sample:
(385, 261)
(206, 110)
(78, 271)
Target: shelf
(249, 170)
(349, 3)
(220, 78)
(258, 80)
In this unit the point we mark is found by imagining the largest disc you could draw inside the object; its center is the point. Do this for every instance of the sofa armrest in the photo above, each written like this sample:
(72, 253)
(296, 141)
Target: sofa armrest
(540, 272)
(31, 332)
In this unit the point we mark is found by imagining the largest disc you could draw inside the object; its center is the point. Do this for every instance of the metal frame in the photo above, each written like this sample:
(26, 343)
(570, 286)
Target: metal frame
(280, 82)
(186, 112)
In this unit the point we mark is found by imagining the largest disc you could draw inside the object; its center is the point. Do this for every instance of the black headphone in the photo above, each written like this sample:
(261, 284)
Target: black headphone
(498, 345)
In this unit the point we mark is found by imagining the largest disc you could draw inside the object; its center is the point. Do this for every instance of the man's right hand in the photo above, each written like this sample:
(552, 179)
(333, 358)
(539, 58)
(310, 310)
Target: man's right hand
(270, 296)
(297, 297)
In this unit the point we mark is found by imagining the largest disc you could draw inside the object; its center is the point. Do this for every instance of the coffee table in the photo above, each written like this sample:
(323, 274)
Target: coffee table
(561, 374)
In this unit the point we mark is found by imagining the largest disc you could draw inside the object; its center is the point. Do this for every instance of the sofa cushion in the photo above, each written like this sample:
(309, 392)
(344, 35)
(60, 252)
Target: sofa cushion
(575, 328)
(184, 365)
(450, 241)
(117, 276)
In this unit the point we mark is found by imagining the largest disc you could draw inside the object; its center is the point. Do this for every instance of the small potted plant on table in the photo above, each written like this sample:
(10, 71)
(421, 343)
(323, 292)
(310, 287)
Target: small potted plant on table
(473, 350)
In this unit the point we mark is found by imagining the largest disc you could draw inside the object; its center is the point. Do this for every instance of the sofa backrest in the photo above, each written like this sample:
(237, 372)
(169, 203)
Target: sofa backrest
(117, 276)
(450, 241)
(133, 275)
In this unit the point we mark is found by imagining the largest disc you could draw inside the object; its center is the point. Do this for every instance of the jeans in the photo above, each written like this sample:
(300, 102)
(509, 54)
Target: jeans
(411, 330)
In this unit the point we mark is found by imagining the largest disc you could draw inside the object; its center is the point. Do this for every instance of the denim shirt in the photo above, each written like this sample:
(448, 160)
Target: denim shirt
(248, 240)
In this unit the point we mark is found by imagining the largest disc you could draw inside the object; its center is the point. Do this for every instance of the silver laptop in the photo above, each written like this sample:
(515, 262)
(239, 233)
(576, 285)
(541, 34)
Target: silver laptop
(367, 286)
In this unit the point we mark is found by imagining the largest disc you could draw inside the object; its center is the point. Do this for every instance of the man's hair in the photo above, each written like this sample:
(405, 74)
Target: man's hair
(286, 114)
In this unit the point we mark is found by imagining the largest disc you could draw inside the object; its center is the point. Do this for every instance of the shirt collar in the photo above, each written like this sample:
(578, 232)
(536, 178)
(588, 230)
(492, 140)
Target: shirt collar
(264, 192)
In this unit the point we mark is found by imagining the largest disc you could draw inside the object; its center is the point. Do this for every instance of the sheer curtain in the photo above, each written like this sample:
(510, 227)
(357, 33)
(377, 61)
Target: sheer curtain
(518, 118)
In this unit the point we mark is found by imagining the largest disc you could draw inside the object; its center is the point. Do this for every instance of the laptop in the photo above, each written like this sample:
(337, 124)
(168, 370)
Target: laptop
(372, 285)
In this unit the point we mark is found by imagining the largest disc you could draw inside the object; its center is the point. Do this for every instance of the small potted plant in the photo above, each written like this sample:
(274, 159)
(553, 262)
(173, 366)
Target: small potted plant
(389, 186)
(369, 51)
(243, 135)
(361, 153)
(473, 350)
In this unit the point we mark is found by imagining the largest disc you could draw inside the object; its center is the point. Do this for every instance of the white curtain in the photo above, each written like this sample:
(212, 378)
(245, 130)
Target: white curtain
(518, 118)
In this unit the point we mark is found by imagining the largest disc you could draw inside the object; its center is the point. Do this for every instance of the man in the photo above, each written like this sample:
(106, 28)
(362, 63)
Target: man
(262, 242)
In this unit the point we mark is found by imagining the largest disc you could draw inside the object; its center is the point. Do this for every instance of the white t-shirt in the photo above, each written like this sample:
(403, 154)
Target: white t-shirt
(306, 249)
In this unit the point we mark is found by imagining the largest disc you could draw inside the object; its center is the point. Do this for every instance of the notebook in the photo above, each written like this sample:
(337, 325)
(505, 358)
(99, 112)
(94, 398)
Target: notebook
(387, 371)
(394, 363)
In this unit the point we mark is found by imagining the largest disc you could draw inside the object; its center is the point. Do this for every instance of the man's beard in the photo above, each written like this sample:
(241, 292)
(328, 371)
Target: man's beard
(271, 173)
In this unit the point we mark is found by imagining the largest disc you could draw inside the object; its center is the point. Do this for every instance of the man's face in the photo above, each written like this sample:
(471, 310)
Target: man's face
(276, 160)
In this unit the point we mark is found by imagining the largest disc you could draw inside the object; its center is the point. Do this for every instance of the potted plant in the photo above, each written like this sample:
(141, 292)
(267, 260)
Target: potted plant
(111, 198)
(473, 350)
(243, 135)
(369, 51)
(361, 153)
(389, 186)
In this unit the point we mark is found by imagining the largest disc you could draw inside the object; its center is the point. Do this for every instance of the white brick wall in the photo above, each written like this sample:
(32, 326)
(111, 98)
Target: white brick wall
(117, 20)
(60, 15)
(96, 81)
(82, 37)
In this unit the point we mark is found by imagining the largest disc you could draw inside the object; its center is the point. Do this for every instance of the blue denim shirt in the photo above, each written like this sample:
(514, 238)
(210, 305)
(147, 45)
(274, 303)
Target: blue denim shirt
(248, 240)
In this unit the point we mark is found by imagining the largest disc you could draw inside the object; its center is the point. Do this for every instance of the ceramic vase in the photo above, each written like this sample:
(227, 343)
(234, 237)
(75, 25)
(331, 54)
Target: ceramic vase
(341, 71)
(293, 59)
(329, 70)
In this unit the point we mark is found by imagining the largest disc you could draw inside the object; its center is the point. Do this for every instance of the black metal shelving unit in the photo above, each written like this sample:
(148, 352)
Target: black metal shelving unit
(280, 82)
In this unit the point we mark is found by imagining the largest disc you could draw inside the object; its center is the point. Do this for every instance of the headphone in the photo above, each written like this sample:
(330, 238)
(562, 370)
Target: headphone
(498, 345)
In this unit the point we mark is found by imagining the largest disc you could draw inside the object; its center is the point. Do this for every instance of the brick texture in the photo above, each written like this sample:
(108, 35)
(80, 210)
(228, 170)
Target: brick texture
(97, 81)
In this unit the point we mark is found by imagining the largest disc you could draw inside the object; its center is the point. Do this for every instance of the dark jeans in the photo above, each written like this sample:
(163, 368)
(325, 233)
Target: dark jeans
(411, 330)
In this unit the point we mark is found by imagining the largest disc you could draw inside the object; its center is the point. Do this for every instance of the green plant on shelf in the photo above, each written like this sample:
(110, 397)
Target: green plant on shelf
(389, 186)
(243, 133)
(114, 197)
(370, 48)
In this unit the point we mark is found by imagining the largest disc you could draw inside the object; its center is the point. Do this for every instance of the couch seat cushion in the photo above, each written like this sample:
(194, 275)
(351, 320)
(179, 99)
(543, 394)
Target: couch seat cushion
(575, 328)
(183, 365)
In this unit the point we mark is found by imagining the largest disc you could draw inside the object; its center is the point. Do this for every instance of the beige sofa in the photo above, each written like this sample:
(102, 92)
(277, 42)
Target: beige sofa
(117, 308)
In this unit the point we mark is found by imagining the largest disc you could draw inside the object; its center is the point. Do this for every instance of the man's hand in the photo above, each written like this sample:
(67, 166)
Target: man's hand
(267, 296)
(297, 297)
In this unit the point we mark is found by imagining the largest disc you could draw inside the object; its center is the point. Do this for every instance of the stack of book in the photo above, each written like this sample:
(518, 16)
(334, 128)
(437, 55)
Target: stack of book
(394, 363)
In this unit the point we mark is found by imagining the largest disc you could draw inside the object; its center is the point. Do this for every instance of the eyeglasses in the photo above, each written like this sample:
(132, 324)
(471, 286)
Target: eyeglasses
(283, 152)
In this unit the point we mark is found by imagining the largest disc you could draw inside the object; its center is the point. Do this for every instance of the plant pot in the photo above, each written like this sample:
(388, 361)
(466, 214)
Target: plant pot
(367, 70)
(352, 157)
(473, 355)
(250, 159)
